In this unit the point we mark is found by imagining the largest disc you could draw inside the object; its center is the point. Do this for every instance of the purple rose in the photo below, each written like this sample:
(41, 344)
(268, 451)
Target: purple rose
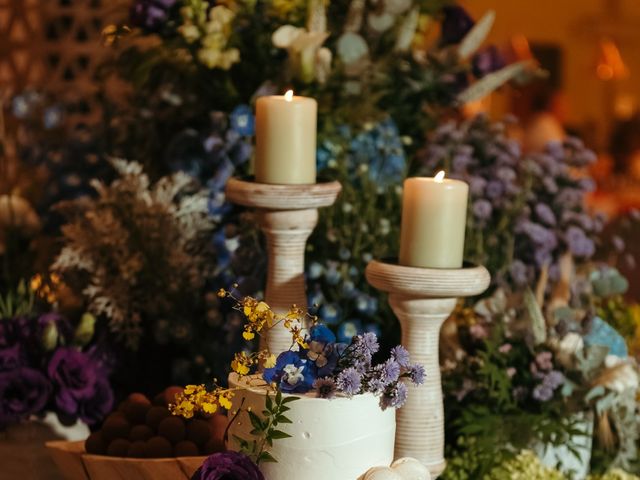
(150, 14)
(23, 392)
(11, 358)
(74, 374)
(94, 409)
(228, 466)
(455, 25)
(15, 330)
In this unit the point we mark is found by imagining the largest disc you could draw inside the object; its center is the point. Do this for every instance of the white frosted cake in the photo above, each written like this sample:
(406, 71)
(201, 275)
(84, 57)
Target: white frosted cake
(338, 439)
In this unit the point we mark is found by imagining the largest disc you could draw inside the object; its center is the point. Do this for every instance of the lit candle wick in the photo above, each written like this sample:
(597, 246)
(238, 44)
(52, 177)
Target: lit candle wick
(288, 96)
(439, 176)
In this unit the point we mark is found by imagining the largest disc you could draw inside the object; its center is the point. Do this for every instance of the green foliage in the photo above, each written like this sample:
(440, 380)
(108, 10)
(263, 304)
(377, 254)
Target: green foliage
(18, 302)
(525, 466)
(265, 429)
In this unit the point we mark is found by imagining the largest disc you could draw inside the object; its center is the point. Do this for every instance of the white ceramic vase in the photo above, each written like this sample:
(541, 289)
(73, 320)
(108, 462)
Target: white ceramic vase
(560, 457)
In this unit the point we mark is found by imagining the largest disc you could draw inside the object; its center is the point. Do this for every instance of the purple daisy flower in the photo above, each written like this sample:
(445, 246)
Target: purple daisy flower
(349, 381)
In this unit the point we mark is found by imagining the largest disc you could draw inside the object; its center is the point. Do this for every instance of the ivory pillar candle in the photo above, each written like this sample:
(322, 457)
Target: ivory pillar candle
(434, 217)
(286, 139)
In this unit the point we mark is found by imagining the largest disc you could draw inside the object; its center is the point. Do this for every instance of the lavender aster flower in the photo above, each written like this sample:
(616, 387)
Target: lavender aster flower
(579, 244)
(417, 373)
(545, 214)
(482, 209)
(394, 397)
(554, 379)
(326, 387)
(400, 355)
(542, 393)
(390, 371)
(349, 381)
(370, 342)
(228, 466)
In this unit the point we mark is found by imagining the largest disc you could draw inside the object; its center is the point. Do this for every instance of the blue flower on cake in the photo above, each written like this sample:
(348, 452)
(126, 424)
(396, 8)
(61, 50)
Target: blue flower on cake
(292, 373)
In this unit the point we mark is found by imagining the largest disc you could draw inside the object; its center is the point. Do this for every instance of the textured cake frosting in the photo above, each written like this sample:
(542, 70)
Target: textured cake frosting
(338, 439)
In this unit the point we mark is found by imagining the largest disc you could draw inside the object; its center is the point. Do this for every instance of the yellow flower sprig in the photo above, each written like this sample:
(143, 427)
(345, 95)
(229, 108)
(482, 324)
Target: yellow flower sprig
(261, 318)
(45, 286)
(197, 399)
(243, 362)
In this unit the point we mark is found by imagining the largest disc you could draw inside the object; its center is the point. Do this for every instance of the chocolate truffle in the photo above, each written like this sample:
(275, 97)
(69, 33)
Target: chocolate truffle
(137, 450)
(173, 429)
(214, 445)
(95, 444)
(135, 411)
(139, 398)
(115, 426)
(141, 432)
(170, 394)
(158, 447)
(198, 431)
(159, 400)
(118, 448)
(186, 448)
(155, 415)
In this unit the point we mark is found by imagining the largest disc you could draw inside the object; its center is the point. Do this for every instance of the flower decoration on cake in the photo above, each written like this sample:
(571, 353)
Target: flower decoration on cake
(228, 466)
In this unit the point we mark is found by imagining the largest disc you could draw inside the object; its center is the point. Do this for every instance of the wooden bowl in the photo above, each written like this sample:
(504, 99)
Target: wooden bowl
(75, 464)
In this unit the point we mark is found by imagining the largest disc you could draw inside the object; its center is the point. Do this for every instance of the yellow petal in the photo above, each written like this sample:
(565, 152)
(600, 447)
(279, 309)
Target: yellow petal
(247, 335)
(270, 361)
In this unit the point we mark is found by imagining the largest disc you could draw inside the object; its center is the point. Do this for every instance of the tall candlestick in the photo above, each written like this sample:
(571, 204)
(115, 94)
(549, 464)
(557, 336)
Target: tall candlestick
(434, 215)
(286, 139)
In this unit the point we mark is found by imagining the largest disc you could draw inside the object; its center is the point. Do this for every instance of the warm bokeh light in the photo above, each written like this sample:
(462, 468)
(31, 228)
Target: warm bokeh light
(289, 95)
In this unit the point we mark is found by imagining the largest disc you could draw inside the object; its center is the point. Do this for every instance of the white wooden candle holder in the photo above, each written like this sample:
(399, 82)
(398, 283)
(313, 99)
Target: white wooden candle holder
(287, 215)
(422, 299)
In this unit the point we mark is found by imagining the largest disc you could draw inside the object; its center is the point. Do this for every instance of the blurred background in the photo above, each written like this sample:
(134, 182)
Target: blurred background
(589, 49)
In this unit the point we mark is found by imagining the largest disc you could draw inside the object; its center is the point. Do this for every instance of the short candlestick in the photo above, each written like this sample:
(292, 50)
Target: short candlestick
(422, 299)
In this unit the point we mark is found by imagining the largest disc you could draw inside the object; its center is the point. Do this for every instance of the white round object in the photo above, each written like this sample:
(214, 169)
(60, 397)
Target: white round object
(381, 473)
(411, 469)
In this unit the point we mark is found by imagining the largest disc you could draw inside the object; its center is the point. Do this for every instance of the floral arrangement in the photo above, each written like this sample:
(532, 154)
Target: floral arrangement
(315, 363)
(530, 358)
(49, 365)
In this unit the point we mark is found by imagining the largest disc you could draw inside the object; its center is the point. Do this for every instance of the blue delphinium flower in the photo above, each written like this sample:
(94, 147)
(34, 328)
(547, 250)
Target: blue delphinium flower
(349, 329)
(292, 373)
(242, 120)
(601, 333)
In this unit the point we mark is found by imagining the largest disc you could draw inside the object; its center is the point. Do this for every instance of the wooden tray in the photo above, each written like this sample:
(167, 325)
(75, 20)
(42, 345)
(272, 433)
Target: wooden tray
(75, 464)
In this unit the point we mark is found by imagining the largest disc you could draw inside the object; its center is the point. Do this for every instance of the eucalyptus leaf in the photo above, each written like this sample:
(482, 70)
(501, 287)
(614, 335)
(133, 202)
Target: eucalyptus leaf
(492, 81)
(477, 35)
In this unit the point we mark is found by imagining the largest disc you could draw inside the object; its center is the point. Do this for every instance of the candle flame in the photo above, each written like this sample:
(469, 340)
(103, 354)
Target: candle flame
(439, 176)
(289, 95)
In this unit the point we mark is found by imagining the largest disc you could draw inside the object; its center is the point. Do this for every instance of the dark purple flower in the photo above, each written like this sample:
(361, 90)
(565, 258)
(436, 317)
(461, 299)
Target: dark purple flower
(417, 373)
(150, 14)
(495, 189)
(349, 381)
(487, 60)
(519, 273)
(394, 397)
(94, 409)
(455, 25)
(228, 466)
(326, 387)
(23, 392)
(74, 374)
(11, 358)
(400, 355)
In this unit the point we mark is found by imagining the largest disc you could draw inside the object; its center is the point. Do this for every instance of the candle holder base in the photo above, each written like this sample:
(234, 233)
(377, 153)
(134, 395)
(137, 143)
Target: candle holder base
(422, 299)
(287, 215)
